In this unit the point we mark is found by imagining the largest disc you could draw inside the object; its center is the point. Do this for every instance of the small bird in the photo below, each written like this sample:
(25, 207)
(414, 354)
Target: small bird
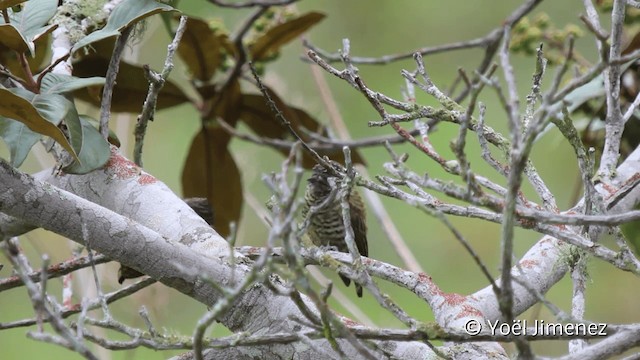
(326, 228)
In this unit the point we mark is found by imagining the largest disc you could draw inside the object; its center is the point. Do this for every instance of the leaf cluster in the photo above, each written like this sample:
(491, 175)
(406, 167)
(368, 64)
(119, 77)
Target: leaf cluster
(36, 102)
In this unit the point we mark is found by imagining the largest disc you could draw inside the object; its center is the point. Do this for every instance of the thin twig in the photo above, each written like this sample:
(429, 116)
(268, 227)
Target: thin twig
(156, 82)
(110, 80)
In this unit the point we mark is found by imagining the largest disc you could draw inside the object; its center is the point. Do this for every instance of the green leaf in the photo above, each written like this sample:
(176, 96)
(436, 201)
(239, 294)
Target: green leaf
(281, 34)
(124, 14)
(41, 113)
(74, 129)
(200, 49)
(113, 138)
(18, 138)
(31, 21)
(94, 150)
(60, 83)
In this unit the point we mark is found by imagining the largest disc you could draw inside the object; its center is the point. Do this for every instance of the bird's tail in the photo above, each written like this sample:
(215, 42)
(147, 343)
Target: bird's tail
(347, 282)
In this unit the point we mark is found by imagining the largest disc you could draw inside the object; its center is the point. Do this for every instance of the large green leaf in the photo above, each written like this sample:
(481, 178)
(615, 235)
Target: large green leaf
(19, 139)
(281, 34)
(41, 113)
(60, 83)
(31, 22)
(93, 150)
(124, 14)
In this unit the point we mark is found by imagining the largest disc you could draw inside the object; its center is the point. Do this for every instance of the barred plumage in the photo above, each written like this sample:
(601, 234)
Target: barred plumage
(326, 227)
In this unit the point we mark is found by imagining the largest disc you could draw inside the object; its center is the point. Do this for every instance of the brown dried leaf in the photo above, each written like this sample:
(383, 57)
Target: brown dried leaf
(633, 45)
(229, 106)
(200, 49)
(281, 34)
(130, 89)
(261, 119)
(210, 171)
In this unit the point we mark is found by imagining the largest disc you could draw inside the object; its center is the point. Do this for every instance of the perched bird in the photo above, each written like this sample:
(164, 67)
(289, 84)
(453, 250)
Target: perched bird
(326, 228)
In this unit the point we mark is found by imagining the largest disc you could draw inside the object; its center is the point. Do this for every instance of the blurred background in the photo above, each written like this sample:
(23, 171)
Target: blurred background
(375, 28)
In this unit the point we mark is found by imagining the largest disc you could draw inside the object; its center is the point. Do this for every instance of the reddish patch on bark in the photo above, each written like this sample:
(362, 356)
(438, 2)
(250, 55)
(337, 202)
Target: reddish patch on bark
(350, 322)
(527, 223)
(74, 307)
(121, 167)
(454, 299)
(633, 179)
(254, 250)
(523, 198)
(146, 179)
(469, 311)
(610, 189)
(546, 239)
(426, 279)
(528, 264)
(422, 277)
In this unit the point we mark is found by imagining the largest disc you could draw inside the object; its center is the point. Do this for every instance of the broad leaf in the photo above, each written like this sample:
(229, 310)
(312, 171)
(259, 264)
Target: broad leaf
(210, 171)
(281, 34)
(124, 14)
(261, 119)
(113, 137)
(19, 139)
(9, 59)
(60, 83)
(31, 22)
(228, 107)
(74, 129)
(93, 149)
(200, 49)
(41, 113)
(225, 105)
(11, 38)
(130, 89)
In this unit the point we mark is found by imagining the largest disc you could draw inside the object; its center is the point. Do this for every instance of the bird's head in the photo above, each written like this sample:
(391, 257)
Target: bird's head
(319, 180)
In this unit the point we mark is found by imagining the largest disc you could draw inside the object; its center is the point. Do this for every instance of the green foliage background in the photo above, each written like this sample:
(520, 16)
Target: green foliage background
(375, 28)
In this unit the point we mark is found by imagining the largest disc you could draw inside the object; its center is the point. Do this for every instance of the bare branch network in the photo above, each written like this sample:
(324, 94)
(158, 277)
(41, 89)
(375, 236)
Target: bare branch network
(266, 295)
